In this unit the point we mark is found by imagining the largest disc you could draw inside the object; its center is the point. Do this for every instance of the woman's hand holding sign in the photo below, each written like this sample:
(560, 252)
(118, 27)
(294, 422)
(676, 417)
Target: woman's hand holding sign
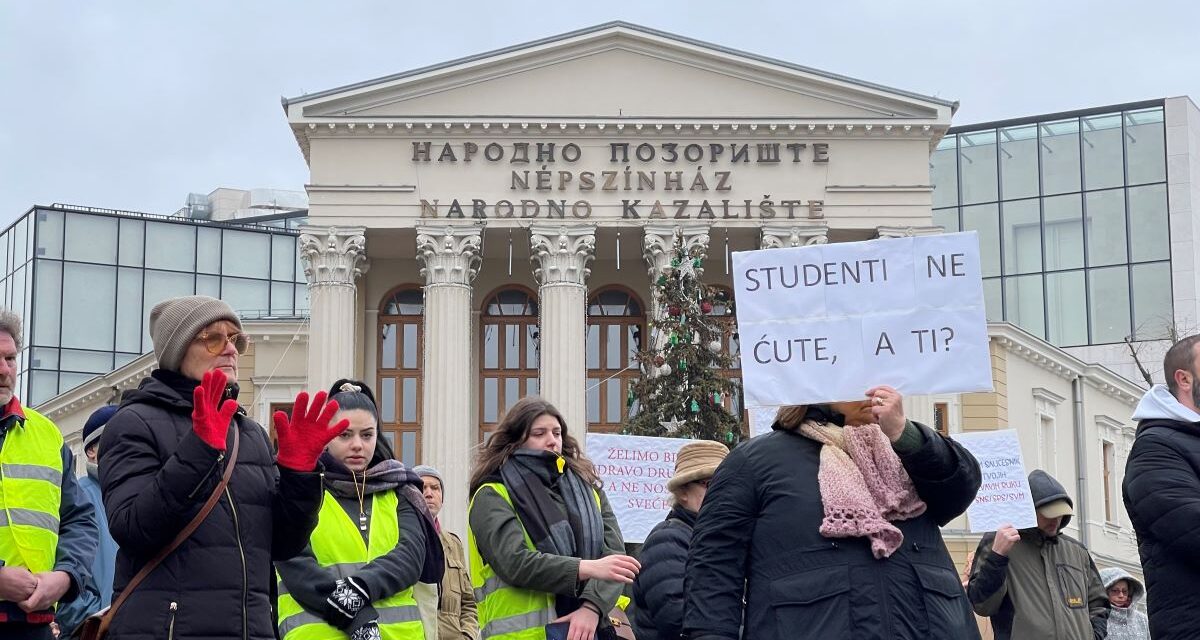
(887, 405)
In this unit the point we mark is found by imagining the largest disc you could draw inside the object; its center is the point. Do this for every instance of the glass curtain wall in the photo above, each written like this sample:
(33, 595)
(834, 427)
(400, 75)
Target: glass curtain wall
(1072, 219)
(85, 283)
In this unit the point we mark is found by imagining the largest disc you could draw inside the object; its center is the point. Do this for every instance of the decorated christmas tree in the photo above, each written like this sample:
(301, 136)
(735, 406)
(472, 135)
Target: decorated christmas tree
(681, 391)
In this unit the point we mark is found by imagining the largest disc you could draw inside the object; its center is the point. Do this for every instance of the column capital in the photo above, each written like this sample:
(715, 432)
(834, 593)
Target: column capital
(449, 254)
(561, 254)
(335, 256)
(658, 245)
(794, 235)
(908, 232)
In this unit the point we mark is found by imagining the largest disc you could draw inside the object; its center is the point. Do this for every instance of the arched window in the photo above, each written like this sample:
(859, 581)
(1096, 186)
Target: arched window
(398, 384)
(723, 312)
(510, 352)
(616, 325)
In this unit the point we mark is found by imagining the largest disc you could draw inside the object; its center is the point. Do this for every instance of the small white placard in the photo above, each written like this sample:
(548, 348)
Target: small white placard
(1004, 497)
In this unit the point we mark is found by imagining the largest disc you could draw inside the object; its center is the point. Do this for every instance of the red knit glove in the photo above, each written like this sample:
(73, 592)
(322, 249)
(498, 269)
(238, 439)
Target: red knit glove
(303, 438)
(208, 421)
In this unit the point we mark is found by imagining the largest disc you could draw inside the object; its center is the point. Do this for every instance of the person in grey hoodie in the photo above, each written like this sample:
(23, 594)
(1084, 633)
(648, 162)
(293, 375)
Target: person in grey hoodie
(1125, 622)
(1162, 494)
(1039, 583)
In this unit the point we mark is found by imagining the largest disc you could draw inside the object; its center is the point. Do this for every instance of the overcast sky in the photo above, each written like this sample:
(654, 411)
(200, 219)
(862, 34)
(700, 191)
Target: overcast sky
(133, 104)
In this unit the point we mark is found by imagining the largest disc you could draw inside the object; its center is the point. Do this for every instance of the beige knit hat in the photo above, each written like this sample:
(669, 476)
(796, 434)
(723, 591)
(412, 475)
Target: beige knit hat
(175, 322)
(696, 461)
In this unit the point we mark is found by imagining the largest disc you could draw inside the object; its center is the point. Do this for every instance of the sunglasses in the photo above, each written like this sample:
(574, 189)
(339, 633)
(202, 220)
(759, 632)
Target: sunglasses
(214, 342)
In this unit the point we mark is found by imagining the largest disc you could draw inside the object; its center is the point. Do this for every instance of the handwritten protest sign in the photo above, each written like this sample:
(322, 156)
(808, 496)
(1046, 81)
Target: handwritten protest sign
(635, 471)
(823, 323)
(1004, 497)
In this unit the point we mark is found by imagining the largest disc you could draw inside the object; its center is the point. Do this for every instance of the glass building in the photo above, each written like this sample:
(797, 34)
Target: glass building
(1071, 212)
(84, 280)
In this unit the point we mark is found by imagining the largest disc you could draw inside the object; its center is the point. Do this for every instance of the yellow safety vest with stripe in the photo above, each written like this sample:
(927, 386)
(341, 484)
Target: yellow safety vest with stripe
(31, 470)
(337, 545)
(507, 612)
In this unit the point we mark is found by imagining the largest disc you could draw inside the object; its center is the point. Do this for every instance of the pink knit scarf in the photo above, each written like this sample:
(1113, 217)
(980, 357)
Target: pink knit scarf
(863, 485)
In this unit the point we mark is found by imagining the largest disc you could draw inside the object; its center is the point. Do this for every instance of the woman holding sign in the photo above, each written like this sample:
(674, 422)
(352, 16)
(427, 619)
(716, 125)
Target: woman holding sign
(830, 526)
(543, 542)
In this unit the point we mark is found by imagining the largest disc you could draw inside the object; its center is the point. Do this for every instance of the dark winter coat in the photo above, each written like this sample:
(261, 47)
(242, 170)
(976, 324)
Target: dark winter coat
(1046, 588)
(156, 473)
(658, 590)
(758, 533)
(1162, 497)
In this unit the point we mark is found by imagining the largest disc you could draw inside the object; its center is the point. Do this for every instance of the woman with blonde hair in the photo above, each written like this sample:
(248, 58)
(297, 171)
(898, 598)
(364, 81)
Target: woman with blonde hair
(543, 542)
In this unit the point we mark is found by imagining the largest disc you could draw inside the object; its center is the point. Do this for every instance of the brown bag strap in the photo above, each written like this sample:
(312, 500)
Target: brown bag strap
(183, 535)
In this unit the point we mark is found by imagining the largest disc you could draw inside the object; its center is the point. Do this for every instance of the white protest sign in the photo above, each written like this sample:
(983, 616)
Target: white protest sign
(824, 323)
(1004, 497)
(635, 471)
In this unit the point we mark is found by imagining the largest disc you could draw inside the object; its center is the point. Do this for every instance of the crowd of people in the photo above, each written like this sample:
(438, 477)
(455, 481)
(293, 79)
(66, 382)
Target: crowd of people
(191, 522)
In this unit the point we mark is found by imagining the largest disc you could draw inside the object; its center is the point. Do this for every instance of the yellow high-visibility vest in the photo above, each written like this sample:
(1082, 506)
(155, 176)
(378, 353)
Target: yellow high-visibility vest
(338, 545)
(507, 612)
(31, 471)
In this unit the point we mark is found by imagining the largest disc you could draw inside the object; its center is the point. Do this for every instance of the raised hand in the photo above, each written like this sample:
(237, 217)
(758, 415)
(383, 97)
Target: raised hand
(887, 406)
(303, 437)
(1006, 538)
(210, 416)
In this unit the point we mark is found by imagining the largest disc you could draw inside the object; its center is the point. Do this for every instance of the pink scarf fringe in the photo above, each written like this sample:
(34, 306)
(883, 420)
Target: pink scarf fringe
(864, 487)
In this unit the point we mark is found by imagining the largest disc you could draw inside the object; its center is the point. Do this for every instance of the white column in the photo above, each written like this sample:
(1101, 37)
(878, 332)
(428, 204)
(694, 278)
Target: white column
(560, 255)
(333, 258)
(908, 232)
(794, 235)
(450, 258)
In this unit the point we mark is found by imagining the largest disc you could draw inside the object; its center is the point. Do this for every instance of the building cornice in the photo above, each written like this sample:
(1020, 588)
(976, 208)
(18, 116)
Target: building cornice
(491, 127)
(100, 388)
(1057, 361)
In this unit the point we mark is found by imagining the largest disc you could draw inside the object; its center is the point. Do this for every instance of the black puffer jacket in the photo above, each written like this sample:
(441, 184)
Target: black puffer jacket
(658, 590)
(758, 533)
(1162, 496)
(156, 474)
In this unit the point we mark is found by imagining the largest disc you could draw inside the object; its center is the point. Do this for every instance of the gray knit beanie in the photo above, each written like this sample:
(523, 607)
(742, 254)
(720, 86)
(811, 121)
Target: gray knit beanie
(175, 322)
(426, 470)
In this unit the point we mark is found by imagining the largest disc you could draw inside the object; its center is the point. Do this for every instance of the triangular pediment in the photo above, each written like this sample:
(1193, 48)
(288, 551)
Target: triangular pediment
(618, 71)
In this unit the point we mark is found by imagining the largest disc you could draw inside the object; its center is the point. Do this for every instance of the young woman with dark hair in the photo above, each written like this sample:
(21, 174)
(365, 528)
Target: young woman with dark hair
(543, 542)
(374, 540)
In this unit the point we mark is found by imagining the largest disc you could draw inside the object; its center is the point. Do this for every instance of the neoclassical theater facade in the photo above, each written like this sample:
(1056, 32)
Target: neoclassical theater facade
(489, 227)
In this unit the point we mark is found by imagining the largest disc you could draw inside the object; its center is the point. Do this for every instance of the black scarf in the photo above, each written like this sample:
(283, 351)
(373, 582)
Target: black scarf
(385, 474)
(530, 476)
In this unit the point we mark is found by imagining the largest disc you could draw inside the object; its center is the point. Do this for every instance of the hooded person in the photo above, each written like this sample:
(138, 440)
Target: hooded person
(96, 592)
(163, 455)
(1039, 583)
(658, 589)
(1125, 622)
(1162, 494)
(375, 540)
(830, 527)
